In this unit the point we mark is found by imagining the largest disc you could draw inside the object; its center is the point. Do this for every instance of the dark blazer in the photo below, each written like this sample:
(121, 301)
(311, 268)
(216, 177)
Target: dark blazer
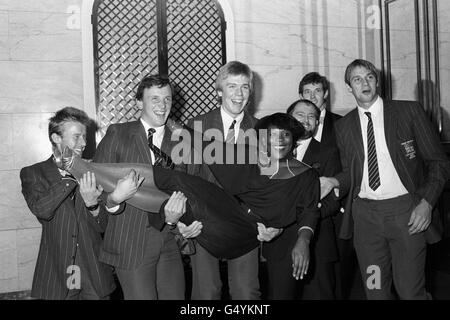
(416, 154)
(125, 236)
(325, 160)
(213, 120)
(65, 222)
(328, 132)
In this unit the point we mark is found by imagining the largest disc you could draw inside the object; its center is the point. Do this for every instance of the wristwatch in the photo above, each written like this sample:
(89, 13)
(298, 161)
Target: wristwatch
(93, 207)
(171, 225)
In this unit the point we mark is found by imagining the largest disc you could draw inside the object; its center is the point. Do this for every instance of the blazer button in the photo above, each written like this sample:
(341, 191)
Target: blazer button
(67, 184)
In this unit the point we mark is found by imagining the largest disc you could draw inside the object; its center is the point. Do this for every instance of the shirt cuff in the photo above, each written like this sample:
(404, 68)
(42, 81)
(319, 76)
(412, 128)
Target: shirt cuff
(307, 228)
(113, 209)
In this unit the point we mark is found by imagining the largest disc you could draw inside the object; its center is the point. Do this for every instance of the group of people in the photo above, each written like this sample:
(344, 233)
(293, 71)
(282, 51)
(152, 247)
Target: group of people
(321, 185)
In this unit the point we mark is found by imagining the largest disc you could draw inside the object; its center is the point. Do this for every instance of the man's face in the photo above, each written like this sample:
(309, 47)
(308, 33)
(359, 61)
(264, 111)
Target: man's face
(279, 143)
(363, 86)
(235, 93)
(306, 115)
(156, 103)
(314, 92)
(73, 135)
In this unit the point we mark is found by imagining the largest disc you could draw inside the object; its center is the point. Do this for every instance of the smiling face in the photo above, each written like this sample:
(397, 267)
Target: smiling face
(314, 92)
(156, 103)
(306, 115)
(363, 86)
(73, 135)
(279, 143)
(235, 92)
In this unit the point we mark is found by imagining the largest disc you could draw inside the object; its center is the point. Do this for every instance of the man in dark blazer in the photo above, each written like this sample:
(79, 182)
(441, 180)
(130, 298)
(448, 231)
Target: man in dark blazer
(393, 170)
(321, 280)
(234, 84)
(141, 245)
(316, 88)
(67, 266)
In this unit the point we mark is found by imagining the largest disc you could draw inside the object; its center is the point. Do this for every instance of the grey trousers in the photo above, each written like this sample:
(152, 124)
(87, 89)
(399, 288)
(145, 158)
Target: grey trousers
(387, 251)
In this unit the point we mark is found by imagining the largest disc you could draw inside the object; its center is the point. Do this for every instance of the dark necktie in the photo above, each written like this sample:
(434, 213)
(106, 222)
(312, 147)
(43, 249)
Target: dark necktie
(231, 135)
(161, 159)
(374, 175)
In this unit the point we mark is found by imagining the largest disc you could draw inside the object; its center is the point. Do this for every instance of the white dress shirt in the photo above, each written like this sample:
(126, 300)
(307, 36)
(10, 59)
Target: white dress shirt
(318, 135)
(391, 186)
(302, 147)
(227, 120)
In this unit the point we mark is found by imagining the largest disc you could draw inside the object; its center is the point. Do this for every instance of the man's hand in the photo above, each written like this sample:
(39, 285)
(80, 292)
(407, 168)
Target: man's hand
(327, 185)
(175, 207)
(191, 231)
(300, 255)
(125, 188)
(267, 234)
(89, 189)
(420, 218)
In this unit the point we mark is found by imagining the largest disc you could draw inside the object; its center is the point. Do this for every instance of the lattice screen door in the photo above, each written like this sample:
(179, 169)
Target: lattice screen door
(184, 39)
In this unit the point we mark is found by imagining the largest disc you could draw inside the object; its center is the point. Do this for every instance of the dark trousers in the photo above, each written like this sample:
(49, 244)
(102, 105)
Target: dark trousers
(382, 241)
(242, 276)
(320, 282)
(161, 274)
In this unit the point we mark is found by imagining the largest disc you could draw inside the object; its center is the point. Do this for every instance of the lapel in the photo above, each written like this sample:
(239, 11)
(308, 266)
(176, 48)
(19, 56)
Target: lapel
(312, 152)
(327, 130)
(390, 130)
(139, 138)
(51, 171)
(356, 135)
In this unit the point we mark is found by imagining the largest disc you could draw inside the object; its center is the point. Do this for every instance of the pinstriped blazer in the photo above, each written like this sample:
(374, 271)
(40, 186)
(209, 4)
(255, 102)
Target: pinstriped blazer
(213, 120)
(414, 148)
(125, 236)
(65, 222)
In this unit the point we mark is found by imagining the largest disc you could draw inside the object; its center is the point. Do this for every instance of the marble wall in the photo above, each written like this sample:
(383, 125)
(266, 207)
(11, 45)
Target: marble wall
(42, 71)
(284, 40)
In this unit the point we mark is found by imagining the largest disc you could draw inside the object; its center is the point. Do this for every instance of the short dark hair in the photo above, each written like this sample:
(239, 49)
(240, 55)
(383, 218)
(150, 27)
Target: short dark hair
(360, 63)
(154, 80)
(310, 103)
(66, 114)
(281, 121)
(313, 78)
(235, 68)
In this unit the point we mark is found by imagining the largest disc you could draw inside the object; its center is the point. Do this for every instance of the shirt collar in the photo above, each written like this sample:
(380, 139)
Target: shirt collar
(228, 120)
(159, 131)
(374, 109)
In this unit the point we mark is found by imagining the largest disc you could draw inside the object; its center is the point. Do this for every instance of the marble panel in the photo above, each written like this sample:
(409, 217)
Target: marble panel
(40, 86)
(28, 241)
(14, 213)
(6, 142)
(39, 6)
(30, 139)
(43, 36)
(8, 255)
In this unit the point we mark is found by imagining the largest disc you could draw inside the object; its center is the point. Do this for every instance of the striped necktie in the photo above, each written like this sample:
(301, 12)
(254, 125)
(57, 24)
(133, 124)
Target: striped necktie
(161, 159)
(231, 135)
(374, 175)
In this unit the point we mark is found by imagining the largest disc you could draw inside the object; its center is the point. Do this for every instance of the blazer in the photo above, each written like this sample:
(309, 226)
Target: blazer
(125, 236)
(213, 120)
(59, 207)
(415, 151)
(328, 132)
(325, 159)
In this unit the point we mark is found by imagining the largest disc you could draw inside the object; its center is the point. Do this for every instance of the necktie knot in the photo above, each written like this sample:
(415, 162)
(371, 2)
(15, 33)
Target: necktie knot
(369, 115)
(151, 131)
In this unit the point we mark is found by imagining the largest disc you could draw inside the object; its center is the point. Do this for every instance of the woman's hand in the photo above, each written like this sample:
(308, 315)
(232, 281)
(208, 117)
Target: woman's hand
(267, 234)
(300, 258)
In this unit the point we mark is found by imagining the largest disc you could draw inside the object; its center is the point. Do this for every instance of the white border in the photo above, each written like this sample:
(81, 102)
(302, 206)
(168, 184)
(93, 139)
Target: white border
(88, 50)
